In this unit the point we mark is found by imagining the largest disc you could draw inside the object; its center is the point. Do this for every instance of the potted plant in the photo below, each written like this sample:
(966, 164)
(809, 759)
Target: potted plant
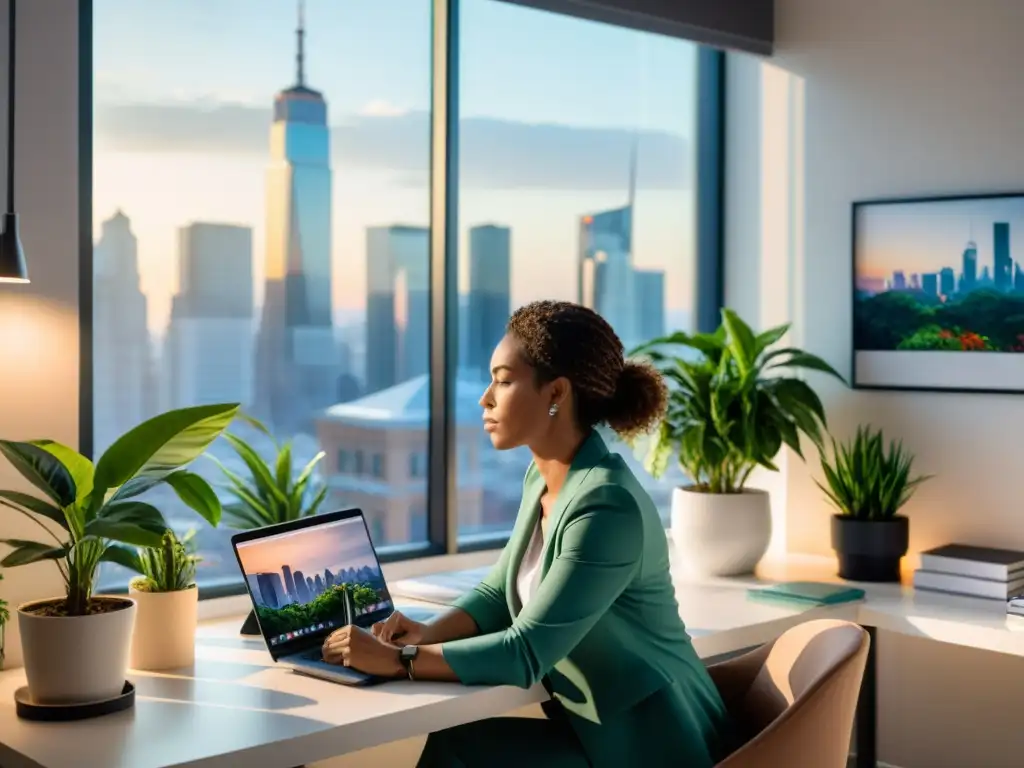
(76, 646)
(868, 481)
(167, 600)
(733, 403)
(271, 493)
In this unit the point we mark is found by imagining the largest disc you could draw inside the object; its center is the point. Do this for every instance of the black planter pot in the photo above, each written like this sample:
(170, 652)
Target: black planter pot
(870, 550)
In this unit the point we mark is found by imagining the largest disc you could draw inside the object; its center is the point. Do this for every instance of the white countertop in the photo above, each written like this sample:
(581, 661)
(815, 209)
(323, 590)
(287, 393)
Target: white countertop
(237, 708)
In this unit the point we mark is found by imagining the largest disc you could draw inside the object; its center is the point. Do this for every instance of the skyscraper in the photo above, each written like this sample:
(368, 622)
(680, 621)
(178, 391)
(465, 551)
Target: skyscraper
(123, 377)
(650, 302)
(947, 281)
(969, 273)
(490, 267)
(208, 350)
(397, 342)
(296, 365)
(1002, 272)
(631, 300)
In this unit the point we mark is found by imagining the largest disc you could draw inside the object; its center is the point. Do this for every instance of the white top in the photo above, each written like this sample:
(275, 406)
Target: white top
(528, 578)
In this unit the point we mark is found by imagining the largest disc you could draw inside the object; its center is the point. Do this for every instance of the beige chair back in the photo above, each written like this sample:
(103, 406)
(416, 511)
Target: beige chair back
(794, 699)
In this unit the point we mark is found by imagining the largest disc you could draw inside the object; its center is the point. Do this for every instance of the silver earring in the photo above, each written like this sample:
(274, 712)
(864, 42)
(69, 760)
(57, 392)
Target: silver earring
(553, 409)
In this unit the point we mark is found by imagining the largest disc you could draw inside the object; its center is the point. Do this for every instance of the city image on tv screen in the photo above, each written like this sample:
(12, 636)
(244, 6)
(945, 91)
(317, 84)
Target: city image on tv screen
(313, 580)
(939, 293)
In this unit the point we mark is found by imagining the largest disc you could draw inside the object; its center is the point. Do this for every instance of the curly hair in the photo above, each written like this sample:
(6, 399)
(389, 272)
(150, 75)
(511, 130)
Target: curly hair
(559, 338)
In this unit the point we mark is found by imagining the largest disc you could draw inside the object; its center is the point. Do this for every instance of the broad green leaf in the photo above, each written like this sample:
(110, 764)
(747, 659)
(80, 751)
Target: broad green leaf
(163, 444)
(764, 340)
(121, 555)
(197, 494)
(798, 359)
(659, 452)
(129, 522)
(797, 393)
(42, 469)
(27, 552)
(135, 487)
(741, 339)
(81, 468)
(37, 506)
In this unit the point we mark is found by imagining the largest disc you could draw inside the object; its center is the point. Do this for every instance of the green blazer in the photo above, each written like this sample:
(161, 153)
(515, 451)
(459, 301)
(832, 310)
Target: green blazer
(602, 632)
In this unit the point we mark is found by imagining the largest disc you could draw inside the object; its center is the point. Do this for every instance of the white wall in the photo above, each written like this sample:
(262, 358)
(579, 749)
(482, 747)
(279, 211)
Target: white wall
(39, 322)
(887, 98)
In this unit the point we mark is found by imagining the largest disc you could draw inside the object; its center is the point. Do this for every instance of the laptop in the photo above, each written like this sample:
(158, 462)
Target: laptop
(307, 578)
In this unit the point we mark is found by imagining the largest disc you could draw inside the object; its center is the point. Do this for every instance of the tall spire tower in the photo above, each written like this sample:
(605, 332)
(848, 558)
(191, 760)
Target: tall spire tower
(300, 49)
(296, 358)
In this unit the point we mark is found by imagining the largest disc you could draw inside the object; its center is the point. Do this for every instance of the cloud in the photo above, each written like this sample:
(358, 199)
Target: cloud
(381, 108)
(497, 154)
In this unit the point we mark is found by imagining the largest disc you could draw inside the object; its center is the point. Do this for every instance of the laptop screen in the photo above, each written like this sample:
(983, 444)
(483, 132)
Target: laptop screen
(307, 582)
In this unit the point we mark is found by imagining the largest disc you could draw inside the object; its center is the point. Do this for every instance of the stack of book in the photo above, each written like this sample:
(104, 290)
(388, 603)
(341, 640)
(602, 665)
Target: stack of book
(962, 569)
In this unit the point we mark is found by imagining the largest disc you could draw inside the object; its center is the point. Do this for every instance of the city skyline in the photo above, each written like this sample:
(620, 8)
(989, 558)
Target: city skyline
(923, 238)
(335, 547)
(173, 176)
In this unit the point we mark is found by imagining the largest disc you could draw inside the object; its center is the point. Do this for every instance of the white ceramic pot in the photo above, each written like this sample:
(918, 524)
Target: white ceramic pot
(165, 629)
(75, 659)
(720, 534)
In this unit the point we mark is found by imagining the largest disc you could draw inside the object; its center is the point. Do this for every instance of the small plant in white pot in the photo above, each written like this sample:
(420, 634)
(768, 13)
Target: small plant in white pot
(167, 600)
(733, 403)
(76, 646)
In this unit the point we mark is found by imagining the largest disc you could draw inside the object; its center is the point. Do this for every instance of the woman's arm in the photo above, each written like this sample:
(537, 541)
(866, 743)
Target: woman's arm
(600, 551)
(453, 624)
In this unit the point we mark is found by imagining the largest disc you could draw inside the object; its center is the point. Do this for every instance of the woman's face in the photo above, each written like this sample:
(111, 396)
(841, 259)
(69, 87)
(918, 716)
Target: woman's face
(516, 408)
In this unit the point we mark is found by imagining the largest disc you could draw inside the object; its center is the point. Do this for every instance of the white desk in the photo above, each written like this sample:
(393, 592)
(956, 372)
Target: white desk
(236, 708)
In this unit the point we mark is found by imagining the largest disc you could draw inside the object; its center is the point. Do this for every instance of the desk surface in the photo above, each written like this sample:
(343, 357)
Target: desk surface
(236, 707)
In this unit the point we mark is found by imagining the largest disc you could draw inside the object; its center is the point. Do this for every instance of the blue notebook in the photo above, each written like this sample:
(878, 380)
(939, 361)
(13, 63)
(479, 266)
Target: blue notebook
(808, 593)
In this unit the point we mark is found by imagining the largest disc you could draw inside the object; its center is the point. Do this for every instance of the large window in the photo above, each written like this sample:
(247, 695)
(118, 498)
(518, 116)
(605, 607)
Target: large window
(261, 224)
(267, 230)
(577, 182)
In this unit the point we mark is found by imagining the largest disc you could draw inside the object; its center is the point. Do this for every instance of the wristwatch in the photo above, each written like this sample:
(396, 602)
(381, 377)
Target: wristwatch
(408, 656)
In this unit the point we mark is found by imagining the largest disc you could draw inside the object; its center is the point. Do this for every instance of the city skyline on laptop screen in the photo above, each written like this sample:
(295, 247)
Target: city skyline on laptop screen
(314, 579)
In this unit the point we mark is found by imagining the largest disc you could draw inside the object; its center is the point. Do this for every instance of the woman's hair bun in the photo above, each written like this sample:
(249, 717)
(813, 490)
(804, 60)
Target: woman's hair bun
(640, 399)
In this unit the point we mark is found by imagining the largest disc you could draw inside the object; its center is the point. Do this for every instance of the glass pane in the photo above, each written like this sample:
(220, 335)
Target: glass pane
(261, 206)
(577, 183)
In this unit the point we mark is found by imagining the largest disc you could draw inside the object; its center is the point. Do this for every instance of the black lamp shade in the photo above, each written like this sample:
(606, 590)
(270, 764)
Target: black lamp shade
(12, 258)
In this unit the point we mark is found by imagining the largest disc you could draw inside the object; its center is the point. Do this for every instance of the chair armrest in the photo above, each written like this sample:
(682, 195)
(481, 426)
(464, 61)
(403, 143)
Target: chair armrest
(734, 677)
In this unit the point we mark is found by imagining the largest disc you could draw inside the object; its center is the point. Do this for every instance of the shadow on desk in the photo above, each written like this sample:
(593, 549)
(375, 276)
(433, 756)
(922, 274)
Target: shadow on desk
(218, 693)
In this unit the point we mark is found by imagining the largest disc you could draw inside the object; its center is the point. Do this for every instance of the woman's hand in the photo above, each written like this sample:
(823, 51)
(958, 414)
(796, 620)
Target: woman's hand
(401, 630)
(354, 647)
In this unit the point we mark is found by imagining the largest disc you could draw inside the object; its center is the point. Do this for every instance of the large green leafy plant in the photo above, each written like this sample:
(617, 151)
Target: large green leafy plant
(272, 492)
(734, 401)
(92, 511)
(866, 478)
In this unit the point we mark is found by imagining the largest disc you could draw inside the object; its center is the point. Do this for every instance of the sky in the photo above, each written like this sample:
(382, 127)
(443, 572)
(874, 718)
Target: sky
(925, 237)
(549, 109)
(344, 544)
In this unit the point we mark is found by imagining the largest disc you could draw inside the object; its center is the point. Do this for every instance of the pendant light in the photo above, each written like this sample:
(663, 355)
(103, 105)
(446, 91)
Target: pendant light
(12, 258)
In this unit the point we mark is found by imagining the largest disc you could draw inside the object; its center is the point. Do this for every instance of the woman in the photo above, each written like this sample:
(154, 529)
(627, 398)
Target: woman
(581, 599)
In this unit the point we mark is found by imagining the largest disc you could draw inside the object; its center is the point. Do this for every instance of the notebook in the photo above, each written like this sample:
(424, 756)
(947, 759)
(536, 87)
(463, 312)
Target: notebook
(808, 593)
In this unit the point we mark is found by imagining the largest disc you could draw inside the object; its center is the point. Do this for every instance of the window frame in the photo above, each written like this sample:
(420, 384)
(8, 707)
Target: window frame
(442, 454)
